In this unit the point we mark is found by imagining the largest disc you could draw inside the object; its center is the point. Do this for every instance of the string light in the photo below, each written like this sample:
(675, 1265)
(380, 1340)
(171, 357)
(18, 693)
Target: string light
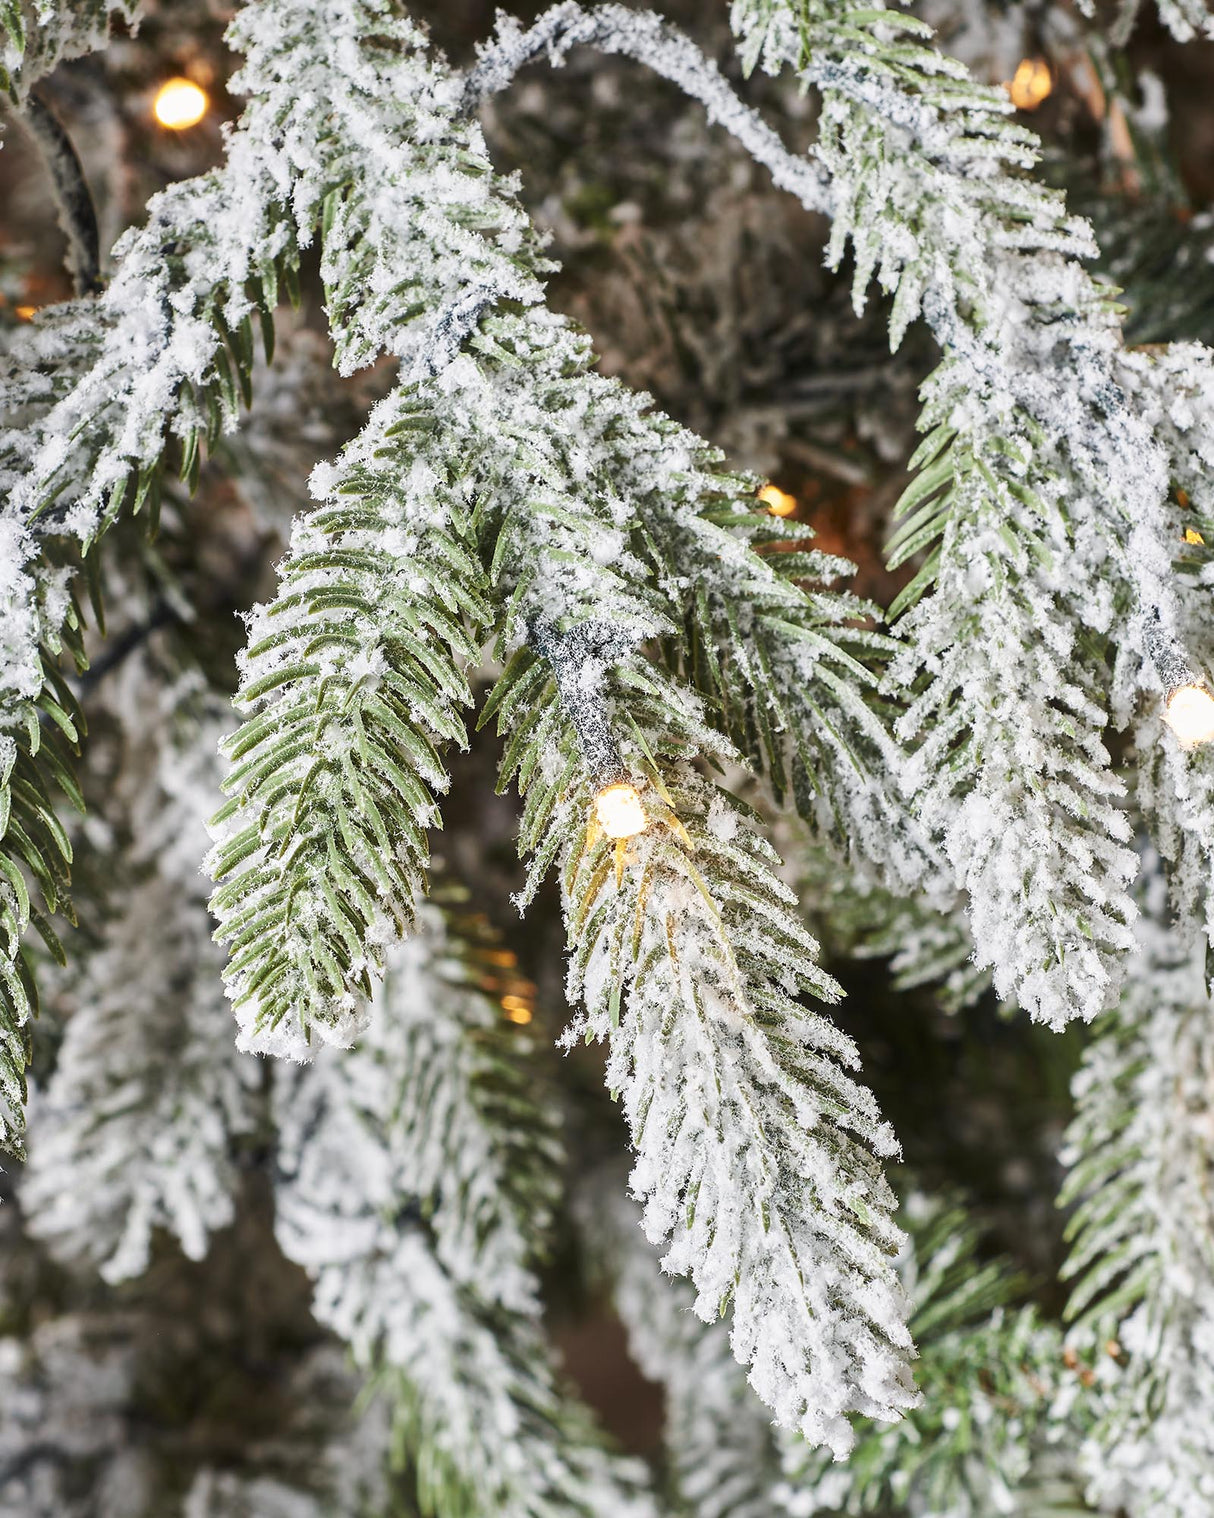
(778, 501)
(619, 811)
(1190, 714)
(1191, 535)
(1030, 84)
(26, 313)
(179, 104)
(516, 1010)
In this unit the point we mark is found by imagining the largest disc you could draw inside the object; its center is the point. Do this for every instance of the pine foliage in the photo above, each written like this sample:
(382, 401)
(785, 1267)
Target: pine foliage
(138, 1126)
(38, 34)
(990, 1374)
(754, 1148)
(358, 667)
(420, 1235)
(507, 509)
(1037, 506)
(994, 1433)
(508, 443)
(1141, 1153)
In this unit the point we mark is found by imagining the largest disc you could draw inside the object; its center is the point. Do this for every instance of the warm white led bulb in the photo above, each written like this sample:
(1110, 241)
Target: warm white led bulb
(1190, 714)
(179, 104)
(1030, 84)
(619, 811)
(778, 501)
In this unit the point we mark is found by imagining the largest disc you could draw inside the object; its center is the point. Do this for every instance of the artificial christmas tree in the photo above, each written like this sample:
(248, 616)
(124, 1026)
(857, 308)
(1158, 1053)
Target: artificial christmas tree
(517, 575)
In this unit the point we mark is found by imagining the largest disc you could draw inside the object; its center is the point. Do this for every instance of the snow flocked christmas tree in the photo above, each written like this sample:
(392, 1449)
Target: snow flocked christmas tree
(661, 648)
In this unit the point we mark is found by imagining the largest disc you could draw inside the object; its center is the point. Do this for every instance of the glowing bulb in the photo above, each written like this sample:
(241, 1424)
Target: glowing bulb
(1190, 714)
(1191, 535)
(27, 313)
(179, 104)
(619, 811)
(778, 501)
(1030, 84)
(516, 1010)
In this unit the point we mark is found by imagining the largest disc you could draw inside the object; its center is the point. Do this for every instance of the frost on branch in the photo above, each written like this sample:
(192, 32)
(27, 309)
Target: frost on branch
(352, 677)
(419, 1236)
(35, 35)
(991, 1376)
(993, 1434)
(137, 1127)
(756, 1153)
(718, 1436)
(1141, 1158)
(1011, 770)
(1038, 504)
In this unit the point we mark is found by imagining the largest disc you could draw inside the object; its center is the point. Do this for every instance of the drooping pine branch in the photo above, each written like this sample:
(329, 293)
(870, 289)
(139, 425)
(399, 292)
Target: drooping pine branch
(991, 1375)
(138, 1126)
(991, 1434)
(420, 1236)
(1141, 1158)
(1039, 497)
(353, 676)
(755, 1151)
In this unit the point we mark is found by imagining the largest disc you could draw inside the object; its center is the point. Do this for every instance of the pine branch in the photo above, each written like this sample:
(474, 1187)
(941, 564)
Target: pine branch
(991, 1434)
(91, 395)
(783, 670)
(39, 34)
(402, 1226)
(36, 760)
(722, 1459)
(659, 46)
(989, 1375)
(1141, 1158)
(476, 1140)
(137, 1127)
(77, 214)
(160, 357)
(356, 672)
(754, 1150)
(786, 671)
(1027, 414)
(1011, 771)
(560, 474)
